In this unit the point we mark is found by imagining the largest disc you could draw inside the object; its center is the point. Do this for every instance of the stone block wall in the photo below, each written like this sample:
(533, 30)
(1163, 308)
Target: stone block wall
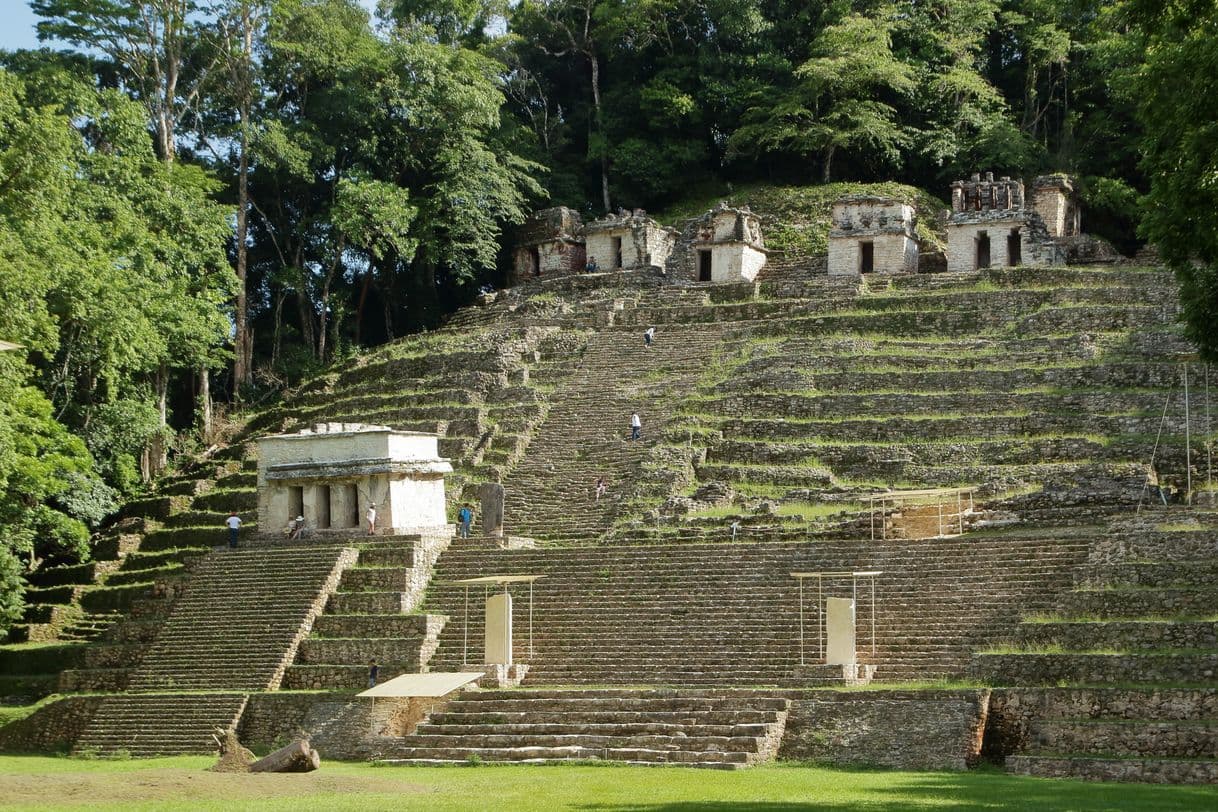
(909, 730)
(891, 253)
(340, 726)
(52, 728)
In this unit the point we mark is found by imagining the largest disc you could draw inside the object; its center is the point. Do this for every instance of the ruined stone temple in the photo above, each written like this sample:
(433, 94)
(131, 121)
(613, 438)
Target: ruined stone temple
(872, 234)
(992, 225)
(549, 243)
(723, 245)
(332, 473)
(849, 473)
(627, 240)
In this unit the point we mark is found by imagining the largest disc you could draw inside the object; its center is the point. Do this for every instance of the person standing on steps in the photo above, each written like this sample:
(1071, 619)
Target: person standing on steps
(648, 335)
(601, 487)
(372, 519)
(465, 516)
(373, 670)
(234, 524)
(636, 426)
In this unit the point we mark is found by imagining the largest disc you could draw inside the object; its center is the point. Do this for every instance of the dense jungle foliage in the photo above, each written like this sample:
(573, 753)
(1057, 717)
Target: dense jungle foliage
(205, 200)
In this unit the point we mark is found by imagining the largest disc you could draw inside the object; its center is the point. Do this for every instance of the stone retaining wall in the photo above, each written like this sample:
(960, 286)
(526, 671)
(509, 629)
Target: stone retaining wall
(908, 730)
(50, 729)
(340, 726)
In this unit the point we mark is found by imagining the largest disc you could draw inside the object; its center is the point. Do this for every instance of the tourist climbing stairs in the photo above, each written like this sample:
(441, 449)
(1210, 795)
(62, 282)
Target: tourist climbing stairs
(550, 495)
(725, 730)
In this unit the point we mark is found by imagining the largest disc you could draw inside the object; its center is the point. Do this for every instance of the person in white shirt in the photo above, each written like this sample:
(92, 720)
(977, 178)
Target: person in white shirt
(372, 519)
(648, 335)
(234, 524)
(636, 426)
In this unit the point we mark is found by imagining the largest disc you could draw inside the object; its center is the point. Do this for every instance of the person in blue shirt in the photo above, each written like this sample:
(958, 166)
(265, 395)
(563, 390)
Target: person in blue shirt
(466, 517)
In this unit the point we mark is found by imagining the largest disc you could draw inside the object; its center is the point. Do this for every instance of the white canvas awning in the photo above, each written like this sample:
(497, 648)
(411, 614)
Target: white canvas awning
(427, 685)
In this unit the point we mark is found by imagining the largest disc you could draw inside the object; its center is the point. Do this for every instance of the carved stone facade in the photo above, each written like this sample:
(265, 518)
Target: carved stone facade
(1054, 200)
(871, 233)
(991, 226)
(723, 245)
(332, 473)
(549, 243)
(628, 240)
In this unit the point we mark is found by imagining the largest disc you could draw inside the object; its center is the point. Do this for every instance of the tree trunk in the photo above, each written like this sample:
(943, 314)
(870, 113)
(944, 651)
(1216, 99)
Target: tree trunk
(158, 455)
(277, 338)
(241, 355)
(600, 127)
(297, 757)
(359, 306)
(828, 173)
(205, 415)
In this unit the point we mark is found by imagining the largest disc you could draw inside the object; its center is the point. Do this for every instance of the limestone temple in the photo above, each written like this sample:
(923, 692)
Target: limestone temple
(934, 453)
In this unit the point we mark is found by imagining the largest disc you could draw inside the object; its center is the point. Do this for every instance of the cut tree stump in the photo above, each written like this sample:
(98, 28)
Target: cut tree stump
(297, 757)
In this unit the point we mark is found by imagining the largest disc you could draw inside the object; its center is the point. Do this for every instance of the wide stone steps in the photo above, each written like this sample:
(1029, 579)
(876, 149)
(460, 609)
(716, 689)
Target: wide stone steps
(159, 724)
(240, 618)
(662, 727)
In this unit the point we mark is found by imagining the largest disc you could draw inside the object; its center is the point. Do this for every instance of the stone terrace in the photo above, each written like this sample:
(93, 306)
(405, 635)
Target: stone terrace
(722, 614)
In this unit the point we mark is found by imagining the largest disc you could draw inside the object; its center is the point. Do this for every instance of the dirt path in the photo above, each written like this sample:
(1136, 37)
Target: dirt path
(175, 784)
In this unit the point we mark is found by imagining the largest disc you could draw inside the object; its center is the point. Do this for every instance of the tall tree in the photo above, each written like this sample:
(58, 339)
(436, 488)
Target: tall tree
(842, 99)
(1181, 154)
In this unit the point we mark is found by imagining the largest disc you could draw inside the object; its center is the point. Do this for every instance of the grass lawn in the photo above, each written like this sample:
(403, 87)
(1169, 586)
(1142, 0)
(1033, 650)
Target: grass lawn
(184, 783)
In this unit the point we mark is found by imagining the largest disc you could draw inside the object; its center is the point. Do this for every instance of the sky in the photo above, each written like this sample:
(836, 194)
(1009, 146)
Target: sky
(17, 23)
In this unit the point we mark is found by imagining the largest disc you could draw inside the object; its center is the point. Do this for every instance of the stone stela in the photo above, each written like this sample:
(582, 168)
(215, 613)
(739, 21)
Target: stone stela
(836, 627)
(498, 633)
(332, 473)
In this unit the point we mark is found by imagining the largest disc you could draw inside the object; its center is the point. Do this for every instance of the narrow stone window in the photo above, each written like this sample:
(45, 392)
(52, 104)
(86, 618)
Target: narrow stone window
(983, 250)
(617, 252)
(704, 266)
(866, 256)
(535, 260)
(1014, 248)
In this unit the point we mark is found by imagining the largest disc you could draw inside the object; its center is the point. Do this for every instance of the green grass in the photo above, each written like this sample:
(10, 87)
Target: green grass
(182, 783)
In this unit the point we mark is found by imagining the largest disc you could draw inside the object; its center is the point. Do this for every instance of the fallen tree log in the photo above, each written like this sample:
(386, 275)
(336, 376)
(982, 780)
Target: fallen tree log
(297, 757)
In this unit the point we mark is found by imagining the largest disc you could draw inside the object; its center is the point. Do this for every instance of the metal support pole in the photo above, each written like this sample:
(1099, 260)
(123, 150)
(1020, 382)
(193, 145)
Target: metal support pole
(465, 644)
(530, 619)
(801, 621)
(1188, 449)
(960, 510)
(820, 617)
(1155, 450)
(940, 518)
(873, 614)
(871, 502)
(1209, 437)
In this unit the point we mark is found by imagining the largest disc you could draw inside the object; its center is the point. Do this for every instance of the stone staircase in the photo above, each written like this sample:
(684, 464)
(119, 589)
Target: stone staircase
(235, 627)
(240, 618)
(370, 617)
(586, 434)
(687, 728)
(728, 614)
(1119, 683)
(146, 725)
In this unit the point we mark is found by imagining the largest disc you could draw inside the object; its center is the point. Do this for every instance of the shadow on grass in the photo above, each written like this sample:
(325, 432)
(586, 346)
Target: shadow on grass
(947, 793)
